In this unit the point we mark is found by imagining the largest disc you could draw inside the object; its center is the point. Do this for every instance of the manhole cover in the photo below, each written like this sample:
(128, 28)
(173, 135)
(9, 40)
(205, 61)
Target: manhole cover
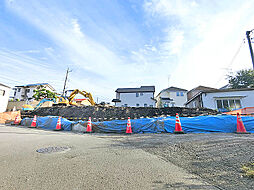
(49, 150)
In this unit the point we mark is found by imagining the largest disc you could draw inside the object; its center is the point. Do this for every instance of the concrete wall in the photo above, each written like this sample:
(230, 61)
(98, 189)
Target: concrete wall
(19, 104)
(4, 97)
(246, 98)
(132, 100)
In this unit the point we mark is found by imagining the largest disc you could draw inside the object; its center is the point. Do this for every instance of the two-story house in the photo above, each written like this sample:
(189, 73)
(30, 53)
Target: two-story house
(171, 97)
(26, 92)
(135, 97)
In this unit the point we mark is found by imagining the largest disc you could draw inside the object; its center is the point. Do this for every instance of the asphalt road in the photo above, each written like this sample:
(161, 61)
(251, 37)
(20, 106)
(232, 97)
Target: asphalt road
(90, 162)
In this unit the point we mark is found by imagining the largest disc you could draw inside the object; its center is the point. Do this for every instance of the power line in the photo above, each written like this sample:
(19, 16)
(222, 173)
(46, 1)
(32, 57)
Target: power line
(233, 59)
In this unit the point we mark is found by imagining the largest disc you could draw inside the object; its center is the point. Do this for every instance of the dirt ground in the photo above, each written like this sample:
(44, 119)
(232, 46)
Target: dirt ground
(217, 158)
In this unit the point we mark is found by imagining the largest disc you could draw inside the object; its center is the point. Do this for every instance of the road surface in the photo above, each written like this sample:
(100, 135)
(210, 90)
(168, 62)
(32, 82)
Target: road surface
(90, 162)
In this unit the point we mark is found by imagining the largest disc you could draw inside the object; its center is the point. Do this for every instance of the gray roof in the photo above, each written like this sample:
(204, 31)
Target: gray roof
(135, 90)
(37, 84)
(4, 85)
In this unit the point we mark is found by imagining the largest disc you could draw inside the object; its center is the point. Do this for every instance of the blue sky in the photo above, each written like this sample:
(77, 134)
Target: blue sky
(123, 43)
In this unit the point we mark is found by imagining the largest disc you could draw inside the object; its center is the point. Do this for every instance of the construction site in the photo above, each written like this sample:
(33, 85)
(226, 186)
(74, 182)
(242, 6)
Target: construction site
(139, 95)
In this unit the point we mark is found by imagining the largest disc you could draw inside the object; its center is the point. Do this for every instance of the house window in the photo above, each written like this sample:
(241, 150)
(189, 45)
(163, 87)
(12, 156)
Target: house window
(137, 95)
(15, 93)
(145, 105)
(137, 105)
(141, 94)
(19, 89)
(181, 93)
(177, 93)
(2, 92)
(228, 104)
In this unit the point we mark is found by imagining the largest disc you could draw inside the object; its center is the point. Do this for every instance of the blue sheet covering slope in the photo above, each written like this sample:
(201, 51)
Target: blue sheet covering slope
(200, 124)
(48, 122)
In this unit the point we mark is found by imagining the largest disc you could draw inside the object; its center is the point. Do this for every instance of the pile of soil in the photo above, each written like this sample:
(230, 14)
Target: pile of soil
(109, 113)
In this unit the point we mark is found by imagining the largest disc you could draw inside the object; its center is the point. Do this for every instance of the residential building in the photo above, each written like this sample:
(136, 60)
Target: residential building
(223, 99)
(135, 97)
(196, 90)
(4, 96)
(171, 97)
(26, 92)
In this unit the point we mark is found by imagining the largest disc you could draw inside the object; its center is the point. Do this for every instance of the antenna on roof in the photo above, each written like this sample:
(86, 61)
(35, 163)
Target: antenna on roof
(168, 79)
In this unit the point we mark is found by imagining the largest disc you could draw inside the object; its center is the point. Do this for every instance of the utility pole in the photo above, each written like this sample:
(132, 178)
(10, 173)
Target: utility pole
(251, 51)
(65, 81)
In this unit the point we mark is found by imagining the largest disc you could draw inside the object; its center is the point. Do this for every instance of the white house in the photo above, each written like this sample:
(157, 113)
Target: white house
(223, 99)
(135, 97)
(26, 92)
(4, 96)
(171, 97)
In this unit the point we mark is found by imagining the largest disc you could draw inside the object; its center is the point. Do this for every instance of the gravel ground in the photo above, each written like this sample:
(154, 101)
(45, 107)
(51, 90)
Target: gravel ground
(216, 157)
(38, 159)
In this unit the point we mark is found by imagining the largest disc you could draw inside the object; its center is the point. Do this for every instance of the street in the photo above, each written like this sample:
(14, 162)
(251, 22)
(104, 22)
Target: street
(87, 161)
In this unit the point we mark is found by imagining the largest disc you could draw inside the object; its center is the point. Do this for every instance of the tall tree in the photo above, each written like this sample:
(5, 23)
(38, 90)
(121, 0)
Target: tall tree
(242, 79)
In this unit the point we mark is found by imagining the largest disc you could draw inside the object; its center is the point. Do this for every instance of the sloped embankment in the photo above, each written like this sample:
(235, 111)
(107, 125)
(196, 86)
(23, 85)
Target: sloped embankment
(109, 113)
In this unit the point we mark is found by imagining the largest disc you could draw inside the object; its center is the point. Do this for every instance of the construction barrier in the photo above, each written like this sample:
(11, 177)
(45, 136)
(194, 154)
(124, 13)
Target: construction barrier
(200, 124)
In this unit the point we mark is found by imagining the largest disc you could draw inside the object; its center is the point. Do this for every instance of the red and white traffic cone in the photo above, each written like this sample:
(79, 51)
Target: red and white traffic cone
(178, 127)
(58, 125)
(240, 126)
(89, 126)
(17, 120)
(33, 124)
(128, 128)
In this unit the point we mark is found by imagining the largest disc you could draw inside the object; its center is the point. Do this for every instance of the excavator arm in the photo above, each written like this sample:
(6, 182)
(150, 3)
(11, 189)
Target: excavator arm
(83, 93)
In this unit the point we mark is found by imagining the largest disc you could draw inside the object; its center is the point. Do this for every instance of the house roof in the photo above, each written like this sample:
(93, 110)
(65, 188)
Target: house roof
(135, 90)
(37, 84)
(81, 99)
(4, 85)
(200, 87)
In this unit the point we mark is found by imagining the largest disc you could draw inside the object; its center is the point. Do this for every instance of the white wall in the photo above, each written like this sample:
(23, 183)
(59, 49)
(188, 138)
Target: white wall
(30, 94)
(209, 99)
(178, 100)
(4, 99)
(131, 100)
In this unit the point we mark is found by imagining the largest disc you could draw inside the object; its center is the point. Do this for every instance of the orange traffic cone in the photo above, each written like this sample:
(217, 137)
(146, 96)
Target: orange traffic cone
(128, 128)
(89, 126)
(33, 125)
(17, 120)
(240, 126)
(178, 127)
(58, 125)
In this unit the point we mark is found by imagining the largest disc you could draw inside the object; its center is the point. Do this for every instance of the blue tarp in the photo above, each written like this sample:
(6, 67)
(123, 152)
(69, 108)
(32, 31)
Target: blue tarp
(200, 124)
(48, 122)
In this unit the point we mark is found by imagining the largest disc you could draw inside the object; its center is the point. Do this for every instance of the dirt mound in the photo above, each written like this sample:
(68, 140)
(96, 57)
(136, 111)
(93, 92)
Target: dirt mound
(109, 113)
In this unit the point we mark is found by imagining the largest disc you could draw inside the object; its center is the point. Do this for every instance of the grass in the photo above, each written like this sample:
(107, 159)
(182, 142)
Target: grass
(248, 169)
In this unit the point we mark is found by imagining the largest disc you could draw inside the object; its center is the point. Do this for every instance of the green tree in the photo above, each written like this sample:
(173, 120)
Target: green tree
(242, 79)
(41, 93)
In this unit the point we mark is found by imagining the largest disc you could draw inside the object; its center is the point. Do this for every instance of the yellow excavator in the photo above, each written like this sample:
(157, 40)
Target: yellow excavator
(84, 93)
